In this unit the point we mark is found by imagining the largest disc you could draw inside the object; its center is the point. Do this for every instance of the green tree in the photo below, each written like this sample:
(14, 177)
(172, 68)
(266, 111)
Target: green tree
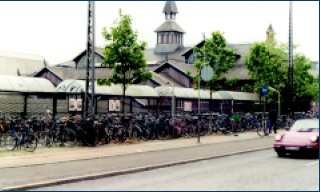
(125, 55)
(215, 53)
(268, 64)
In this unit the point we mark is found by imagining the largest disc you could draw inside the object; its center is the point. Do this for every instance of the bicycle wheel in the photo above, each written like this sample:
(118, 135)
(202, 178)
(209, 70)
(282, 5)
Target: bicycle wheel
(262, 129)
(9, 142)
(31, 143)
(69, 138)
(43, 139)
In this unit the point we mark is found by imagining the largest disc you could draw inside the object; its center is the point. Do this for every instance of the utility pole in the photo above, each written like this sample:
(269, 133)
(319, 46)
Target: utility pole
(290, 60)
(89, 108)
(199, 95)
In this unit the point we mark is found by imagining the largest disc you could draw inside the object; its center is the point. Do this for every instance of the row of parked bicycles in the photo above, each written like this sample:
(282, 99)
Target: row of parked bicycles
(37, 131)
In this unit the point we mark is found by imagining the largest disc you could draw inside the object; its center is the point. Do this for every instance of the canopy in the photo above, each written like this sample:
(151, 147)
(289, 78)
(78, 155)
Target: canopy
(78, 86)
(239, 96)
(25, 84)
(190, 93)
(180, 92)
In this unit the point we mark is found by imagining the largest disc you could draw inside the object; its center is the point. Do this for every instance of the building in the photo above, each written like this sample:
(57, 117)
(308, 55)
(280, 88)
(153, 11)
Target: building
(19, 64)
(170, 60)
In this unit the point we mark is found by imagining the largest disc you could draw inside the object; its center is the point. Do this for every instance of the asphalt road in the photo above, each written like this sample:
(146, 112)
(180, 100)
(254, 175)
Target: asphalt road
(19, 177)
(261, 170)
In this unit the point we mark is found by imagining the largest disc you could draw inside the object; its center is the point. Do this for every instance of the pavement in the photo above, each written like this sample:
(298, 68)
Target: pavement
(62, 165)
(260, 170)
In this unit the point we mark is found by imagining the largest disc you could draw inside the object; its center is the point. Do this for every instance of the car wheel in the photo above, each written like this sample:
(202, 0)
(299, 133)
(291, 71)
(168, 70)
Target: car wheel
(280, 153)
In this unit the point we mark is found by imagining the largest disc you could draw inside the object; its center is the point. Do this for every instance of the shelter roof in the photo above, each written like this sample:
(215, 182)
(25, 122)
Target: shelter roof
(25, 84)
(78, 86)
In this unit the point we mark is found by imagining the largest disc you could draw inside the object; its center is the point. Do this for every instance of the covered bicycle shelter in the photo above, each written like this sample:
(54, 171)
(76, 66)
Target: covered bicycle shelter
(138, 97)
(186, 99)
(26, 95)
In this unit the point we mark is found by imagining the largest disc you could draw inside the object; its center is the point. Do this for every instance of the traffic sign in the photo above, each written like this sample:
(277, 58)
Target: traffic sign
(264, 90)
(207, 73)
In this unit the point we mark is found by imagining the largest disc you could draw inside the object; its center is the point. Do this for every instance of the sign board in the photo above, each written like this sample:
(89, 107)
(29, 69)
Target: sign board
(187, 106)
(114, 105)
(75, 104)
(207, 73)
(264, 90)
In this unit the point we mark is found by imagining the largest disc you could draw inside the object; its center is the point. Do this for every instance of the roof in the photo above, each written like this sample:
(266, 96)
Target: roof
(80, 73)
(240, 48)
(180, 66)
(237, 72)
(166, 48)
(190, 93)
(169, 25)
(16, 63)
(157, 58)
(180, 92)
(25, 84)
(270, 29)
(170, 7)
(162, 80)
(240, 96)
(78, 86)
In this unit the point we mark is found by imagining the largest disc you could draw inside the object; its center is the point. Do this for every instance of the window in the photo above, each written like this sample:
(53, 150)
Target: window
(180, 105)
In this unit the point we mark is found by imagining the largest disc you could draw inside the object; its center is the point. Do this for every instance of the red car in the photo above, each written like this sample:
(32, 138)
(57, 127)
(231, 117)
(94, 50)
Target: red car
(302, 137)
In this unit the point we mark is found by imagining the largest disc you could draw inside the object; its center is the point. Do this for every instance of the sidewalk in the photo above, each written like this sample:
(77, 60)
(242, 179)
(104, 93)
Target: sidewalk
(54, 155)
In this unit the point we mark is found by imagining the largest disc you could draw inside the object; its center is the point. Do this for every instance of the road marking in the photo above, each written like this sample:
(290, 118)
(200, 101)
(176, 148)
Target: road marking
(312, 163)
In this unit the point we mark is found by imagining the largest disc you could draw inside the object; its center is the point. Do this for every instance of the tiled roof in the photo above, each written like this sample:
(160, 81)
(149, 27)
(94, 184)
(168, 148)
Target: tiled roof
(72, 73)
(23, 64)
(170, 25)
(170, 7)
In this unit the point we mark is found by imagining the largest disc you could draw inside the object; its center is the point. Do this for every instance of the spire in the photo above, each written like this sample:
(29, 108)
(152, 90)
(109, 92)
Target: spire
(170, 10)
(270, 34)
(169, 34)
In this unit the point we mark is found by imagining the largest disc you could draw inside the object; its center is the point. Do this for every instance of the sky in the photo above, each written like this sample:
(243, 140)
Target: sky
(57, 30)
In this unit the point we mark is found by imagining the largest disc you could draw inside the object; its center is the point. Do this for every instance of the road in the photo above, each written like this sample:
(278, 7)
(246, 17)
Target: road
(23, 177)
(261, 170)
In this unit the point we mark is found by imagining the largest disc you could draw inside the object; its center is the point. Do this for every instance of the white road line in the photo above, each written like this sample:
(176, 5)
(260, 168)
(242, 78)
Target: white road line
(311, 163)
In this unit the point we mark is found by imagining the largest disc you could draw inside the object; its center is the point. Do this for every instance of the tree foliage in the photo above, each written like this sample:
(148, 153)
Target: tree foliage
(268, 64)
(215, 53)
(124, 54)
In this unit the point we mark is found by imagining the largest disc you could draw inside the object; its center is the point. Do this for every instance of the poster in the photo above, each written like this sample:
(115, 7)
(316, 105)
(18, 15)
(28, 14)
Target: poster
(72, 104)
(79, 105)
(75, 104)
(187, 106)
(114, 105)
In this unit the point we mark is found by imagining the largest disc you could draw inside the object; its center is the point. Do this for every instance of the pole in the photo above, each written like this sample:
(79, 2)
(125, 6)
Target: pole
(92, 59)
(279, 99)
(263, 119)
(89, 107)
(173, 101)
(199, 95)
(290, 69)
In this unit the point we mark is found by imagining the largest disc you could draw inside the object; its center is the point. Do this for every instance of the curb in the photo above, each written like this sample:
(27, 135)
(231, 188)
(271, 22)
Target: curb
(131, 153)
(122, 172)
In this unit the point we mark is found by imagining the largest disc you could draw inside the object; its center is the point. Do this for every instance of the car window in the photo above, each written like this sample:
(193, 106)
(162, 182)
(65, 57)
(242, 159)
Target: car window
(306, 126)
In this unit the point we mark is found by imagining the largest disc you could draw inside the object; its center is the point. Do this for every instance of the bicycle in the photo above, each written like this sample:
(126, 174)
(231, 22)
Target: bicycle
(25, 138)
(263, 129)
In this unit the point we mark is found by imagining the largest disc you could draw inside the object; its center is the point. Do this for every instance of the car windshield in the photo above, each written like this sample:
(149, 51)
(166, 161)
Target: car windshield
(308, 125)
